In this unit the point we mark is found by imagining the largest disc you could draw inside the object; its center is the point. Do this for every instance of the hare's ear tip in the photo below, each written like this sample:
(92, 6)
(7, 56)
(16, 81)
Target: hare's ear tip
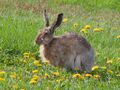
(61, 14)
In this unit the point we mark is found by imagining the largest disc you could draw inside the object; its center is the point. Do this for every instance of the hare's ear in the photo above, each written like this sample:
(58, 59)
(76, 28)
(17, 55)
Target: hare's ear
(46, 18)
(57, 22)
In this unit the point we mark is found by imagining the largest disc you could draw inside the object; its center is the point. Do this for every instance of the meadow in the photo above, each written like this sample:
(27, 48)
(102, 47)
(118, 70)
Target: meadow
(20, 66)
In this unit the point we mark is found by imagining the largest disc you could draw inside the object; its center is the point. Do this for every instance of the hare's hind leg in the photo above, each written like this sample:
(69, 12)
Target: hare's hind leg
(77, 62)
(89, 61)
(88, 66)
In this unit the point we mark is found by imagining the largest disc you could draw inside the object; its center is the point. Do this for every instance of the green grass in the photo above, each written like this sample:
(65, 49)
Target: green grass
(19, 24)
(94, 4)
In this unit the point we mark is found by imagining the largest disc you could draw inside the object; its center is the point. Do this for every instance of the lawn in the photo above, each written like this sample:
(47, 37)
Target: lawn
(20, 66)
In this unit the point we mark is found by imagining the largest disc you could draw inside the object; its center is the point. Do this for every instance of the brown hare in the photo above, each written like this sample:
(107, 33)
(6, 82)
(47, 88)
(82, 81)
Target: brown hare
(68, 51)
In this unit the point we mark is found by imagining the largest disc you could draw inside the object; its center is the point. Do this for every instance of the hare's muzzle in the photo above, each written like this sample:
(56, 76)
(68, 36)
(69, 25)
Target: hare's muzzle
(38, 40)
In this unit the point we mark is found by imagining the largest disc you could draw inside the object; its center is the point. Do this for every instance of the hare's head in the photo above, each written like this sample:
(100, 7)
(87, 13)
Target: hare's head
(46, 36)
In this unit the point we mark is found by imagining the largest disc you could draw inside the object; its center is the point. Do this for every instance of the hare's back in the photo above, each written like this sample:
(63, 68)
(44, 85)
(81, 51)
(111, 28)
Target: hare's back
(69, 43)
(74, 42)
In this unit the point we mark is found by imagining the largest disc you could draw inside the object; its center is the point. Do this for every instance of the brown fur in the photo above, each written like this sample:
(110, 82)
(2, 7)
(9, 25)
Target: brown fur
(63, 46)
(69, 51)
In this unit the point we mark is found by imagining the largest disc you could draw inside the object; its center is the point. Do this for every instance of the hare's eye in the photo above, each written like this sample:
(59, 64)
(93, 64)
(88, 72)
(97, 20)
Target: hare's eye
(42, 39)
(46, 32)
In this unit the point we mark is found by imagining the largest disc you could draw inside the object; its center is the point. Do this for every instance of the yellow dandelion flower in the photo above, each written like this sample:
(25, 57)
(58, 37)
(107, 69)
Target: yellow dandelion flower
(103, 67)
(87, 27)
(65, 20)
(118, 36)
(55, 73)
(97, 76)
(35, 77)
(22, 89)
(84, 31)
(32, 81)
(118, 59)
(15, 86)
(109, 61)
(97, 30)
(109, 71)
(24, 61)
(13, 75)
(36, 63)
(88, 75)
(61, 79)
(39, 65)
(46, 62)
(26, 55)
(2, 72)
(46, 75)
(95, 67)
(2, 79)
(34, 71)
(78, 76)
(75, 25)
(118, 75)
